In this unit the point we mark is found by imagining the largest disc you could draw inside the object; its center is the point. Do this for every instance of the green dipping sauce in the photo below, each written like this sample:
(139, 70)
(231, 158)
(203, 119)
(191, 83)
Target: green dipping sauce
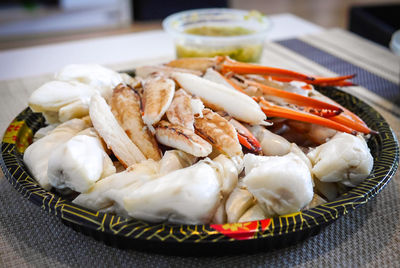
(248, 53)
(240, 52)
(218, 31)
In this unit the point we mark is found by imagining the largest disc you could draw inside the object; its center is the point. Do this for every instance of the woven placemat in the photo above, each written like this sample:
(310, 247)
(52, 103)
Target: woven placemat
(366, 237)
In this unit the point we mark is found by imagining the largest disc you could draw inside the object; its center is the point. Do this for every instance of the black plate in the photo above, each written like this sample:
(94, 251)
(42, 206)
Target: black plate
(179, 239)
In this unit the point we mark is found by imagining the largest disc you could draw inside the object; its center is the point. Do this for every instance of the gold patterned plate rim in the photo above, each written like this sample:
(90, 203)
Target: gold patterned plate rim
(126, 232)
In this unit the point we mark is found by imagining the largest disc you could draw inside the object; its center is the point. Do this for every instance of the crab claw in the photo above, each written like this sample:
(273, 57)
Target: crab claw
(350, 119)
(332, 81)
(345, 119)
(278, 111)
(340, 81)
(311, 105)
(246, 138)
(230, 65)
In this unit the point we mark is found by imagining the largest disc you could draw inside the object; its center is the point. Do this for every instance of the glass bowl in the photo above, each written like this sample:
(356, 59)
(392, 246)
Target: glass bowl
(238, 34)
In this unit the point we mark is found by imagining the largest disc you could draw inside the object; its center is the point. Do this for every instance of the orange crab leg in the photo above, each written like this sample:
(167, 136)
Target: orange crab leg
(321, 81)
(246, 138)
(312, 105)
(331, 80)
(247, 68)
(277, 111)
(233, 84)
(344, 120)
(349, 113)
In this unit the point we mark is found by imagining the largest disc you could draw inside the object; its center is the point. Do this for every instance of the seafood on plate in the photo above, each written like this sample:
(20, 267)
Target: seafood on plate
(195, 141)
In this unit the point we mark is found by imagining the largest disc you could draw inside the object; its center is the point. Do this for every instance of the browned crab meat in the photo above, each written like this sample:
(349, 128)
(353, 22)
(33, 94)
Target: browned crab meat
(125, 105)
(219, 132)
(180, 111)
(157, 96)
(181, 138)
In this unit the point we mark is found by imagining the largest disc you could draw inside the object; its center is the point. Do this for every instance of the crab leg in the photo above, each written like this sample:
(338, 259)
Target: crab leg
(331, 80)
(313, 105)
(320, 81)
(344, 120)
(351, 120)
(246, 68)
(278, 111)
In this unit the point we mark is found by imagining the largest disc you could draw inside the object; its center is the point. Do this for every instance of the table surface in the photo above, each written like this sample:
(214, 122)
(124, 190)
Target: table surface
(119, 49)
(368, 236)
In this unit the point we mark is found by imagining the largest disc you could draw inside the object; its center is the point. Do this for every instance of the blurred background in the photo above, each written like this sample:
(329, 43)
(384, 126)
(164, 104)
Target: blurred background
(34, 22)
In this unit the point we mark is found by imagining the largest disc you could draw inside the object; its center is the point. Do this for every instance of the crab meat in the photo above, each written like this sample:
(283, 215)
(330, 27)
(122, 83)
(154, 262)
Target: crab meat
(125, 105)
(146, 71)
(345, 158)
(115, 137)
(76, 164)
(183, 139)
(316, 201)
(36, 156)
(254, 213)
(108, 166)
(44, 131)
(219, 216)
(102, 79)
(271, 144)
(66, 100)
(220, 97)
(316, 133)
(238, 202)
(281, 184)
(190, 195)
(216, 77)
(219, 132)
(133, 82)
(197, 64)
(106, 193)
(158, 95)
(229, 169)
(175, 159)
(180, 111)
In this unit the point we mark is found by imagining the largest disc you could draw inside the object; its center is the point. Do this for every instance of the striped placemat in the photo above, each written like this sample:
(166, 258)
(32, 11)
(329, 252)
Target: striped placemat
(368, 236)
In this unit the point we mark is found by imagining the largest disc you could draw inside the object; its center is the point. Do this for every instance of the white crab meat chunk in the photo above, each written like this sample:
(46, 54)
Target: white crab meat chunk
(77, 164)
(229, 170)
(63, 100)
(36, 156)
(255, 213)
(107, 194)
(175, 159)
(101, 78)
(221, 97)
(345, 158)
(189, 195)
(238, 202)
(281, 184)
(271, 143)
